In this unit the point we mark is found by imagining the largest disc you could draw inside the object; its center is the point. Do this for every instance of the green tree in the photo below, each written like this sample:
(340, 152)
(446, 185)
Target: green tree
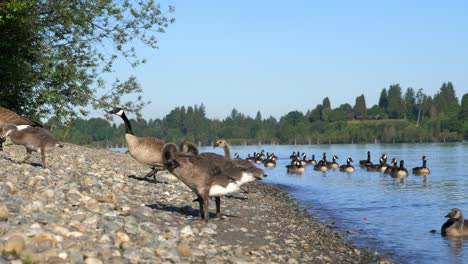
(66, 48)
(360, 109)
(396, 105)
(410, 104)
(326, 109)
(383, 100)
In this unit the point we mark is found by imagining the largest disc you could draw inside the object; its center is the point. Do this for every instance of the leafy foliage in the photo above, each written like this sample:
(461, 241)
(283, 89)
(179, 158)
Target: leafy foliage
(57, 52)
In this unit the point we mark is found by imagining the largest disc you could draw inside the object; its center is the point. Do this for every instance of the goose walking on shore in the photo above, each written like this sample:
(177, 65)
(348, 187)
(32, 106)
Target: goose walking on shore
(9, 117)
(203, 176)
(146, 150)
(34, 139)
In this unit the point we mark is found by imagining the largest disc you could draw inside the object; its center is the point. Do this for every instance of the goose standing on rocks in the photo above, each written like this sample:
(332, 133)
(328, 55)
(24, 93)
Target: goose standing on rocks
(146, 150)
(424, 170)
(203, 176)
(34, 139)
(226, 163)
(455, 225)
(9, 117)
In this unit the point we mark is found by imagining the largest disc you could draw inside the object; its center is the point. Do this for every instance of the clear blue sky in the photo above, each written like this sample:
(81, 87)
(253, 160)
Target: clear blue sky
(280, 56)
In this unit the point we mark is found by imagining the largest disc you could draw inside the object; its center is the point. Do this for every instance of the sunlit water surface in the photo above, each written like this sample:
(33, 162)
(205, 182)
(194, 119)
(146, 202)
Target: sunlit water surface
(389, 215)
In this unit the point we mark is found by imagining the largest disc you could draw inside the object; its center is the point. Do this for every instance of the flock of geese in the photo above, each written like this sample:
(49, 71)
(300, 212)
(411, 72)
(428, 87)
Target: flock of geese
(208, 174)
(299, 162)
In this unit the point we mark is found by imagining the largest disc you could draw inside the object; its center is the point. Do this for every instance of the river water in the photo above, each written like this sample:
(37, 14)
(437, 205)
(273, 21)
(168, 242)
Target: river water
(389, 215)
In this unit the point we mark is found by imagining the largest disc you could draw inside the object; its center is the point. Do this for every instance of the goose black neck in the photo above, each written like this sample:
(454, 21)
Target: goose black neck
(128, 126)
(424, 163)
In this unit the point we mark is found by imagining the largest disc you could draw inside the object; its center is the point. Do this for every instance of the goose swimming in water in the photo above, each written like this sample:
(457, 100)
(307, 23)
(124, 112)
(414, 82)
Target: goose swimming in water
(455, 225)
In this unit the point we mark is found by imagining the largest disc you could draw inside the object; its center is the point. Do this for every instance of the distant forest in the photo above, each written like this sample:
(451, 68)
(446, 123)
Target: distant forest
(409, 116)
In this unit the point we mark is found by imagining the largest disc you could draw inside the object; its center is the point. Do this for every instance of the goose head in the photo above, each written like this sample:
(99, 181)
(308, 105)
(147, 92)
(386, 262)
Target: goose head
(220, 143)
(116, 111)
(455, 214)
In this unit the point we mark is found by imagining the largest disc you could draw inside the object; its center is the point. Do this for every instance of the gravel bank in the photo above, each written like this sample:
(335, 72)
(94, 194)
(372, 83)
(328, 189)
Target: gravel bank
(91, 206)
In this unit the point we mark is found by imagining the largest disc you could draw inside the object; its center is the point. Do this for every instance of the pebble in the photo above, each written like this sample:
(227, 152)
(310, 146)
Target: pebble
(87, 208)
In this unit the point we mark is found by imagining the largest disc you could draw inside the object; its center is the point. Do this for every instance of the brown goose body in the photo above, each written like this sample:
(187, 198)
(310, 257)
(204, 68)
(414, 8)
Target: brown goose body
(202, 176)
(146, 150)
(455, 225)
(295, 167)
(423, 170)
(226, 161)
(400, 171)
(34, 139)
(9, 117)
(347, 167)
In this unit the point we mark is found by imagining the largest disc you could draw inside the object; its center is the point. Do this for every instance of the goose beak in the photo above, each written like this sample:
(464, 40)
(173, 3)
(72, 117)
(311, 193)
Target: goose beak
(448, 215)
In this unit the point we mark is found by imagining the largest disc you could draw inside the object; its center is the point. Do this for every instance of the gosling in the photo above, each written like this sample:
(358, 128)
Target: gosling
(34, 139)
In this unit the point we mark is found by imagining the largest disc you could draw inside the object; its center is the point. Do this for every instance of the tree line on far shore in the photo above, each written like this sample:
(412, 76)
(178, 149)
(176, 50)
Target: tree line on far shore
(398, 117)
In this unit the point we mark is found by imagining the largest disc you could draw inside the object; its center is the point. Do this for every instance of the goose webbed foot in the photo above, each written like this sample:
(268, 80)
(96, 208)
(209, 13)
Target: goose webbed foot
(152, 173)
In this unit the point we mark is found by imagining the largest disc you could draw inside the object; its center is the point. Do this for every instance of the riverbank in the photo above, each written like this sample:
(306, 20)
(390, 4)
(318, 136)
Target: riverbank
(91, 206)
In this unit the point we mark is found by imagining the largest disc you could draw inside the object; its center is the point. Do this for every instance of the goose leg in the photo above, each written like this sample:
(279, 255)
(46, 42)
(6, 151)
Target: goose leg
(218, 206)
(28, 155)
(200, 203)
(206, 201)
(152, 173)
(43, 158)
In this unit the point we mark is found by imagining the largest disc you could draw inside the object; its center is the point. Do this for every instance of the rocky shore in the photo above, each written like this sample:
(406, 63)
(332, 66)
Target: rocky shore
(92, 206)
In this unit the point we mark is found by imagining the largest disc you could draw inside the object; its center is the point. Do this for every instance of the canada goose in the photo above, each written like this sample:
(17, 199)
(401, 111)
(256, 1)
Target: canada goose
(203, 177)
(304, 159)
(321, 165)
(333, 165)
(250, 158)
(237, 156)
(295, 167)
(422, 170)
(400, 171)
(347, 167)
(274, 157)
(364, 163)
(312, 161)
(35, 139)
(293, 155)
(225, 163)
(455, 225)
(378, 167)
(393, 167)
(146, 150)
(269, 162)
(383, 163)
(9, 117)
